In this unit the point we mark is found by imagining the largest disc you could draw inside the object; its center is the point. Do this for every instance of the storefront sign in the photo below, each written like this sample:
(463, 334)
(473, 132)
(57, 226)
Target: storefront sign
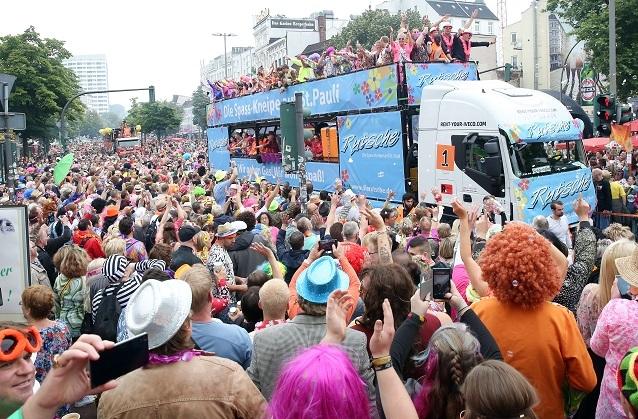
(15, 273)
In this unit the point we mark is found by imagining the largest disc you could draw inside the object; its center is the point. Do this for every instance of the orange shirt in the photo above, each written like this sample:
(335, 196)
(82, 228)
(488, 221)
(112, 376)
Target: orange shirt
(353, 288)
(544, 345)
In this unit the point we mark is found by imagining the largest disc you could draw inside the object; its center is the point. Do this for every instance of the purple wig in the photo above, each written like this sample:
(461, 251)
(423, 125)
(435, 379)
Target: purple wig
(319, 383)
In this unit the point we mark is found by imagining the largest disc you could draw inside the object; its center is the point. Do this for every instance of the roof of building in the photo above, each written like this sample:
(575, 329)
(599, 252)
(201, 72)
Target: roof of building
(318, 47)
(461, 9)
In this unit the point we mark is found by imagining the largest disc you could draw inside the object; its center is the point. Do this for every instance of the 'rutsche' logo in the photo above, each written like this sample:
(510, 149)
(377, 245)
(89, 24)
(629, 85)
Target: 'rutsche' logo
(387, 139)
(546, 194)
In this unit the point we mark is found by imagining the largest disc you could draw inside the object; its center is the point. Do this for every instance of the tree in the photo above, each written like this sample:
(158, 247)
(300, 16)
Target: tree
(590, 20)
(111, 119)
(90, 124)
(200, 101)
(43, 84)
(371, 25)
(158, 117)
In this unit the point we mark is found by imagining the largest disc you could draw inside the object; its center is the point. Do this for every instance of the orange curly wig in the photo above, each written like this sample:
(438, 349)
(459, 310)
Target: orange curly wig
(518, 267)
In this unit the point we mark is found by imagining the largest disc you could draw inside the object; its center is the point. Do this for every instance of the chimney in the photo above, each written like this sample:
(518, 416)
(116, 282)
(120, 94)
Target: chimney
(321, 23)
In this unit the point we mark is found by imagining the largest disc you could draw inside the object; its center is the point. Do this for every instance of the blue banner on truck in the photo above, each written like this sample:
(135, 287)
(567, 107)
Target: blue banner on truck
(365, 89)
(419, 75)
(371, 153)
(218, 154)
(533, 196)
(322, 175)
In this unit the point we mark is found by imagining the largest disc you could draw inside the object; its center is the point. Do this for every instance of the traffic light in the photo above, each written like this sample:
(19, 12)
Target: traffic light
(507, 72)
(151, 94)
(626, 114)
(604, 114)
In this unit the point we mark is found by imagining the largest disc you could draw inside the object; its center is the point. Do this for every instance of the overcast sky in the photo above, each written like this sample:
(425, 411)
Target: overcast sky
(159, 42)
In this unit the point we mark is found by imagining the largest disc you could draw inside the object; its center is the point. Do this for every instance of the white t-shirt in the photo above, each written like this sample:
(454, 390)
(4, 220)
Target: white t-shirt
(560, 228)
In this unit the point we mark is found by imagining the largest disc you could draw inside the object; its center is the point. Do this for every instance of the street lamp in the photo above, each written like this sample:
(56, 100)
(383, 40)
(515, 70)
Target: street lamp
(225, 35)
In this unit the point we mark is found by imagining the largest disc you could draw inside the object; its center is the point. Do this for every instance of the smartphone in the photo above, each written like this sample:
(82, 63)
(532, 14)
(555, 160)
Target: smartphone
(441, 282)
(326, 244)
(623, 286)
(121, 359)
(426, 285)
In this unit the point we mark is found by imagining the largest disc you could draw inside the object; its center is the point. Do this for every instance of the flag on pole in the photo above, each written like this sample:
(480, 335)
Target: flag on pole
(622, 135)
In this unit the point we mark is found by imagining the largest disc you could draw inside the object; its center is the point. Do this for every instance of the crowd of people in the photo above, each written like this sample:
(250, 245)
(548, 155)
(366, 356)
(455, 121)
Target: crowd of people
(422, 45)
(258, 305)
(614, 172)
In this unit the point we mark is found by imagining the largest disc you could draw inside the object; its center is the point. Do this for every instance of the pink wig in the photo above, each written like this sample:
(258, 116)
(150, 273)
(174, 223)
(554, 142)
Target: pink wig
(319, 383)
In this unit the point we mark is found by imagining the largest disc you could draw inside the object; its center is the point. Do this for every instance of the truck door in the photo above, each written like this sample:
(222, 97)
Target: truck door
(478, 158)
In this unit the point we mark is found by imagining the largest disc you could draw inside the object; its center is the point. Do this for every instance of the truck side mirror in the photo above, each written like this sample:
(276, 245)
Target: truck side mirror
(491, 148)
(494, 165)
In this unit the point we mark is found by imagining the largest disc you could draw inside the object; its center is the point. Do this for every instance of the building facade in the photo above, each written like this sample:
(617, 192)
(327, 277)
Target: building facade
(277, 37)
(92, 73)
(538, 45)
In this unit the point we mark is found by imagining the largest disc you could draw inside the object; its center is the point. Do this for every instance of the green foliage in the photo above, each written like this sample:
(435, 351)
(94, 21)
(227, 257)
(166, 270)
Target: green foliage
(110, 120)
(200, 101)
(371, 25)
(590, 19)
(43, 84)
(90, 124)
(158, 117)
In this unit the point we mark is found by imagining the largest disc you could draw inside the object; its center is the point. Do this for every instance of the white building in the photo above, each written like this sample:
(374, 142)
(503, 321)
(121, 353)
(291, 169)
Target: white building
(538, 45)
(92, 73)
(186, 104)
(484, 28)
(239, 61)
(276, 37)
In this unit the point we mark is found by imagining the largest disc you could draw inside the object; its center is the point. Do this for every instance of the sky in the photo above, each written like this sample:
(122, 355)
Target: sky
(163, 43)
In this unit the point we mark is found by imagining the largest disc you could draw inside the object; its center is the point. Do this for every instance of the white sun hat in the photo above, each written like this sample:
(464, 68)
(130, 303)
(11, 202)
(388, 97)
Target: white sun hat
(158, 309)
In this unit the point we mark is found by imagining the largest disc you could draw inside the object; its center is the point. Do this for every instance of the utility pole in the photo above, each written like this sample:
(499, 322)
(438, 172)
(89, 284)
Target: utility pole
(612, 47)
(225, 35)
(535, 46)
(8, 157)
(303, 190)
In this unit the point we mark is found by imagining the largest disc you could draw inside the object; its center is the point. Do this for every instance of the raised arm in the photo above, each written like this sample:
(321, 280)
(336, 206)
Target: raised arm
(472, 268)
(469, 22)
(394, 397)
(384, 247)
(334, 202)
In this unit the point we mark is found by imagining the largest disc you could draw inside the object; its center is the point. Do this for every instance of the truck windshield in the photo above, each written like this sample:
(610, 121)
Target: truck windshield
(535, 159)
(128, 142)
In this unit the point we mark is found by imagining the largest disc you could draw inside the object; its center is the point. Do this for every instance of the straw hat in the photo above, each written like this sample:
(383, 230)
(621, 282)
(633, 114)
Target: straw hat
(229, 229)
(628, 268)
(220, 175)
(158, 309)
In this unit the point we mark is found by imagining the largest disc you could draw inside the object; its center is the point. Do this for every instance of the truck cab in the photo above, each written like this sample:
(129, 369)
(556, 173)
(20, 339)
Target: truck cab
(480, 138)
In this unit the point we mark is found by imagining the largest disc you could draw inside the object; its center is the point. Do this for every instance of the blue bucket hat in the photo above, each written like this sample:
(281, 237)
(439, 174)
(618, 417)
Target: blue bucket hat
(321, 278)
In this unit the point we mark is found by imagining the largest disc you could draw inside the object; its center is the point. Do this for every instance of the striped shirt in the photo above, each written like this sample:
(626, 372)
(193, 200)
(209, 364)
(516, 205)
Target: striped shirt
(127, 288)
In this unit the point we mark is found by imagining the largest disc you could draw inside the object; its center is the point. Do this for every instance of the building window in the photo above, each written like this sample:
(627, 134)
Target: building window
(490, 28)
(514, 61)
(514, 38)
(477, 27)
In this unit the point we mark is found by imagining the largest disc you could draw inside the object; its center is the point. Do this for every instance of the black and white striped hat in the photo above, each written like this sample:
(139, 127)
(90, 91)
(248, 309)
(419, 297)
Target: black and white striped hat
(114, 267)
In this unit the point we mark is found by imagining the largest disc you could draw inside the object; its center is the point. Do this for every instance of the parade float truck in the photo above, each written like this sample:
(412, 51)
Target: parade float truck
(483, 138)
(416, 127)
(123, 140)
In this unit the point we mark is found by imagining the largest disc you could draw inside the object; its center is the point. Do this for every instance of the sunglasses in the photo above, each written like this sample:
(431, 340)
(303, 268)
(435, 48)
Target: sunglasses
(14, 342)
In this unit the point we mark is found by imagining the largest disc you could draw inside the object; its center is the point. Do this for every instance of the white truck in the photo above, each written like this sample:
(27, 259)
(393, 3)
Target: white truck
(480, 138)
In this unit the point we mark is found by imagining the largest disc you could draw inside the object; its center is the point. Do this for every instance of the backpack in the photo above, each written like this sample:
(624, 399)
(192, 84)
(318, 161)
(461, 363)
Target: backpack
(107, 316)
(150, 234)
